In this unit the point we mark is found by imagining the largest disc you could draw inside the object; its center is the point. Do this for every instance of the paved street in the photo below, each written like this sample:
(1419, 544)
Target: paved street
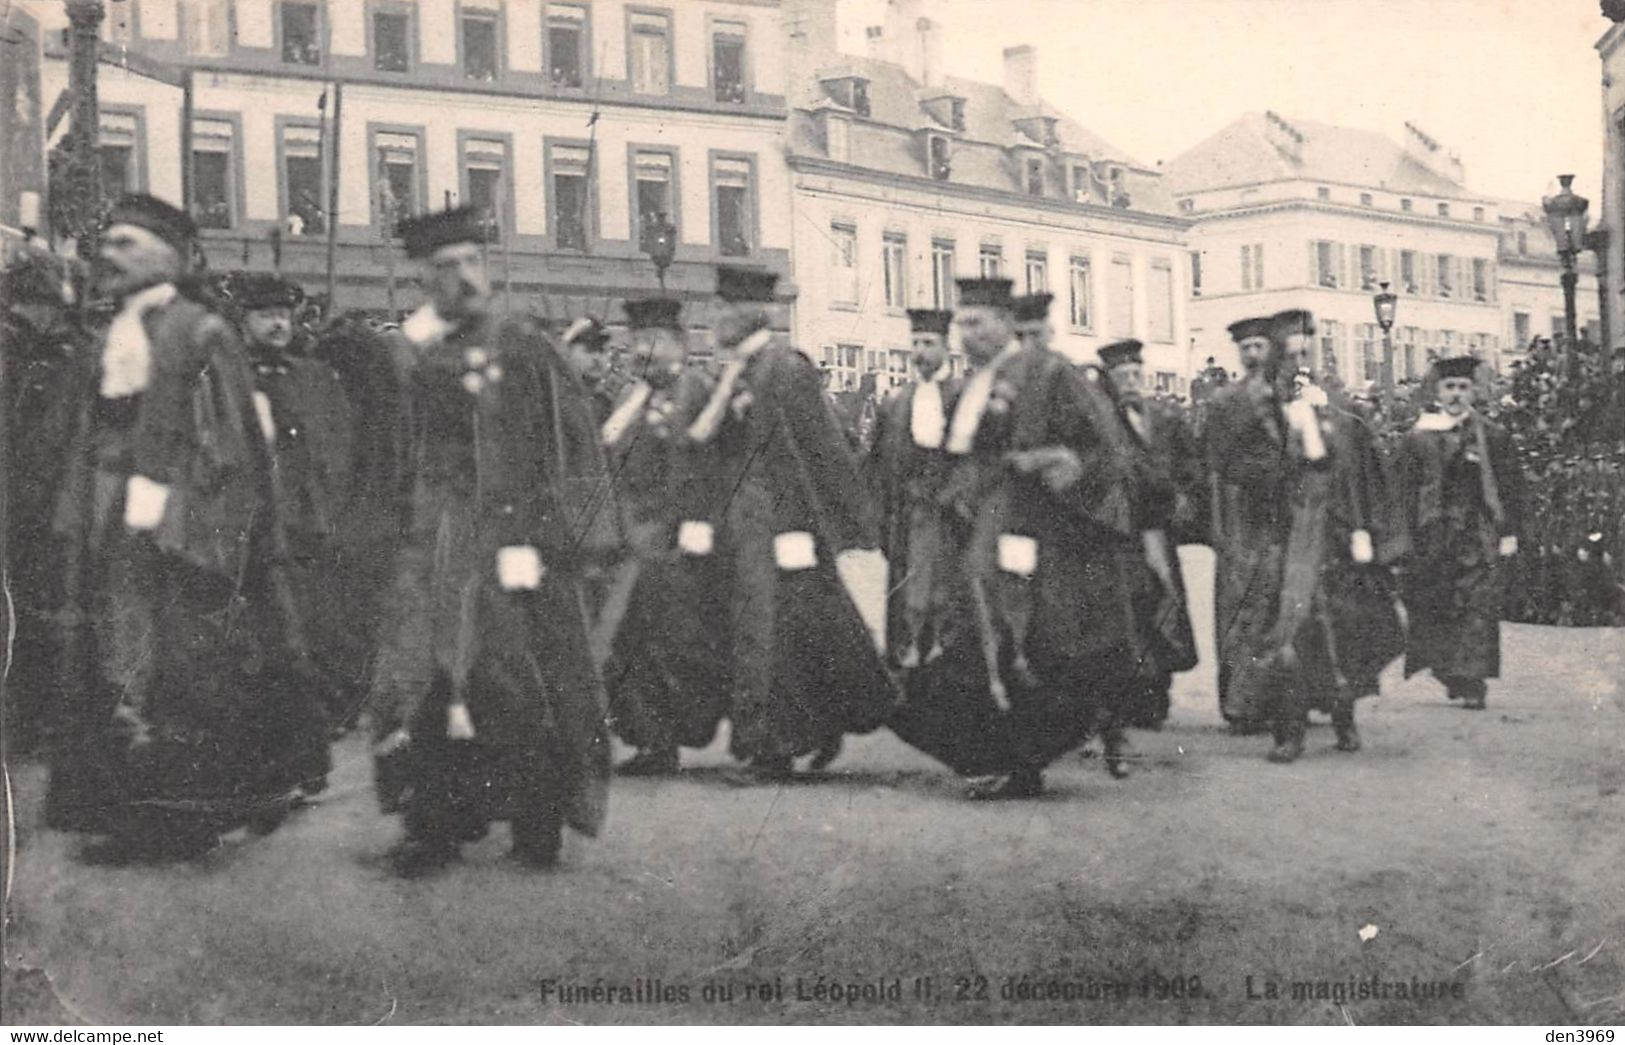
(1481, 849)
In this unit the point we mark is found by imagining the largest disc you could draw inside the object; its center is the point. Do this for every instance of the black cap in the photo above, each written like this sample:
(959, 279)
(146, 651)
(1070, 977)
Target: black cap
(1031, 307)
(427, 233)
(252, 290)
(655, 312)
(1292, 321)
(1127, 351)
(1457, 366)
(981, 290)
(930, 320)
(1253, 326)
(737, 284)
(170, 224)
(585, 331)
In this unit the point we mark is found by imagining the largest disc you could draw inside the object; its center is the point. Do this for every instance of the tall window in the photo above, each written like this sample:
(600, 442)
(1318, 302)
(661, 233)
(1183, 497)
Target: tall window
(1481, 279)
(1252, 266)
(303, 211)
(206, 27)
(1035, 177)
(728, 61)
(118, 138)
(652, 172)
(484, 166)
(1407, 271)
(894, 265)
(1326, 258)
(392, 41)
(301, 32)
(843, 240)
(1521, 331)
(990, 261)
(735, 207)
(1120, 298)
(397, 178)
(1159, 302)
(1331, 343)
(1443, 264)
(566, 42)
(942, 274)
(213, 189)
(1407, 351)
(1037, 272)
(1368, 266)
(481, 47)
(572, 195)
(651, 52)
(845, 363)
(1196, 273)
(1080, 307)
(1370, 365)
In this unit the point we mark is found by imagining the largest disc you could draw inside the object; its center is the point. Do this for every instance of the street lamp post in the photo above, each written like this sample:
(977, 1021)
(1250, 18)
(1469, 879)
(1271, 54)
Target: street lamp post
(84, 36)
(1385, 302)
(1566, 215)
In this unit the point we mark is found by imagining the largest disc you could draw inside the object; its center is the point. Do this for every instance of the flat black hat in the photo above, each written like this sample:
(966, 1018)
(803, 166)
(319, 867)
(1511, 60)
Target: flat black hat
(1253, 326)
(738, 284)
(930, 320)
(655, 312)
(1292, 321)
(585, 331)
(1118, 352)
(982, 290)
(170, 224)
(1032, 307)
(1457, 366)
(252, 290)
(427, 233)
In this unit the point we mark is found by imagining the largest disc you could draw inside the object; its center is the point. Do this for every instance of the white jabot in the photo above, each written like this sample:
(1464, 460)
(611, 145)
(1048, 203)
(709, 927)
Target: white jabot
(1136, 420)
(127, 356)
(426, 326)
(753, 344)
(1439, 421)
(973, 403)
(619, 421)
(926, 420)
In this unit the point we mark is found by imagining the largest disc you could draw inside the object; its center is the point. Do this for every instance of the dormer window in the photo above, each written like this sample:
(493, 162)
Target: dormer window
(1082, 183)
(847, 89)
(859, 97)
(1040, 129)
(1034, 180)
(956, 114)
(938, 157)
(946, 109)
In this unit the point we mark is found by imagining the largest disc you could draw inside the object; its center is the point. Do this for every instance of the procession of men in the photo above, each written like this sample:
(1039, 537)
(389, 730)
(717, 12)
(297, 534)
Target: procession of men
(500, 545)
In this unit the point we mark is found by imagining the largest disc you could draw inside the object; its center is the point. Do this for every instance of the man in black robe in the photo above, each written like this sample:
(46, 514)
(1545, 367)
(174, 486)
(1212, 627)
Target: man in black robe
(1163, 511)
(586, 348)
(307, 420)
(1461, 493)
(668, 674)
(487, 697)
(189, 707)
(1033, 327)
(785, 503)
(1038, 506)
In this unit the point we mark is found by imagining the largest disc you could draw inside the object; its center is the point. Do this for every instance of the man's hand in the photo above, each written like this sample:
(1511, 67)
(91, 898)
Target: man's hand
(144, 502)
(519, 568)
(1509, 546)
(459, 726)
(392, 743)
(1058, 466)
(1360, 547)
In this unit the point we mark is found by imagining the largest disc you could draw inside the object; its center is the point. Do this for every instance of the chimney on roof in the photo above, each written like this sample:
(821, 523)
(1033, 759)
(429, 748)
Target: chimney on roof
(1021, 75)
(810, 40)
(875, 37)
(930, 34)
(1424, 150)
(1287, 139)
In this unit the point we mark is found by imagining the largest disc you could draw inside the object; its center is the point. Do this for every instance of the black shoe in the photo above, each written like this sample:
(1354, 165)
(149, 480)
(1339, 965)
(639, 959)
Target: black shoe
(657, 761)
(1023, 783)
(411, 858)
(1118, 754)
(761, 771)
(1287, 749)
(1348, 737)
(1473, 702)
(538, 850)
(829, 752)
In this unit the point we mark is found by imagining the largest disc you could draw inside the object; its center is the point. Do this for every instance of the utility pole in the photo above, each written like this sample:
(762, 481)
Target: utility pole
(84, 180)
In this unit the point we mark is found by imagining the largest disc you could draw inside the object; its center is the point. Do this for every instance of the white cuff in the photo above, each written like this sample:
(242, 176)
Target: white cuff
(144, 502)
(1509, 545)
(695, 537)
(1018, 554)
(1360, 547)
(795, 550)
(519, 568)
(458, 725)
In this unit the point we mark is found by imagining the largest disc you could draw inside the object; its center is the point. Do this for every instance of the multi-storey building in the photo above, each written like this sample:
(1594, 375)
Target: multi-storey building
(1611, 220)
(1295, 214)
(904, 178)
(581, 126)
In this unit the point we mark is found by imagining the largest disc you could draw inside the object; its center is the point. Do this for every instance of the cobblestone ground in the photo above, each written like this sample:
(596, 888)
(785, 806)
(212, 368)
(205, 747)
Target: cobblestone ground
(1478, 849)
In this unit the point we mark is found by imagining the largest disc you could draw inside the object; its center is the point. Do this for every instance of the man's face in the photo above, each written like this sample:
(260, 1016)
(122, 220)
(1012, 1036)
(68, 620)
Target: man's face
(984, 331)
(930, 352)
(269, 327)
(1255, 352)
(1128, 380)
(458, 284)
(1295, 351)
(658, 356)
(590, 359)
(1456, 394)
(134, 258)
(1036, 332)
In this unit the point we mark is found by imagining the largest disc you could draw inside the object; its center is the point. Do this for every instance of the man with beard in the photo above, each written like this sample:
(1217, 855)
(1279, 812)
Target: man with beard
(487, 697)
(190, 713)
(784, 503)
(1038, 519)
(307, 418)
(586, 348)
(906, 468)
(1461, 500)
(1163, 511)
(668, 673)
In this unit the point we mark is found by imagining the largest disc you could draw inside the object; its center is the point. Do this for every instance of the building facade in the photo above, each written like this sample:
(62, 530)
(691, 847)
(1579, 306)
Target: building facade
(904, 179)
(1611, 220)
(580, 126)
(1296, 214)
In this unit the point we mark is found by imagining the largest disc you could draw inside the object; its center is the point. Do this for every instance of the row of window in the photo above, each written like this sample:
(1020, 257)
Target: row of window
(396, 174)
(207, 30)
(1323, 192)
(847, 288)
(847, 363)
(1414, 349)
(1410, 272)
